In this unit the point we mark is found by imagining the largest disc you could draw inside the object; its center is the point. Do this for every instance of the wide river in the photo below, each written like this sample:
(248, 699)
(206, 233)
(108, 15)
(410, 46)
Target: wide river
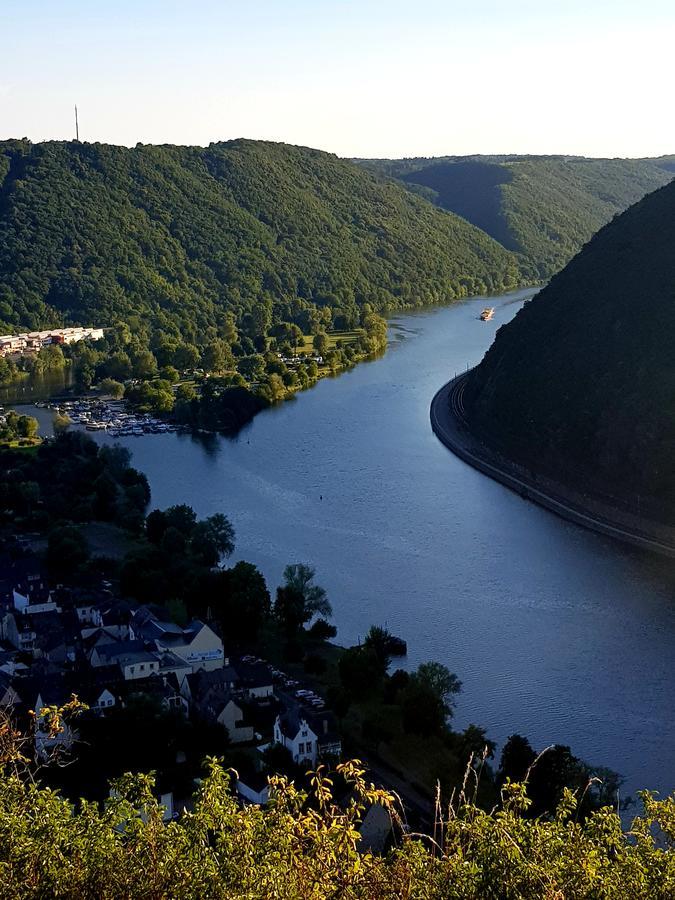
(557, 633)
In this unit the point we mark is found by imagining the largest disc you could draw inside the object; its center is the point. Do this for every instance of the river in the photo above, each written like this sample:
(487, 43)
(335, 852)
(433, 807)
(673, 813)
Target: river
(556, 632)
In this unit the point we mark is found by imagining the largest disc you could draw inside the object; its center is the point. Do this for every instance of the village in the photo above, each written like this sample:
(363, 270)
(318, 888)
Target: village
(34, 341)
(57, 641)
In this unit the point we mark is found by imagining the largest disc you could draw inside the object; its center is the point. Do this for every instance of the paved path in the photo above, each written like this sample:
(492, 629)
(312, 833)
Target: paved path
(449, 424)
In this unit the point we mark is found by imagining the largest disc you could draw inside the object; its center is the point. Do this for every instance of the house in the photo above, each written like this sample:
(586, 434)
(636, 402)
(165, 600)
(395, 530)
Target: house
(115, 616)
(99, 688)
(375, 830)
(163, 689)
(254, 788)
(197, 643)
(230, 713)
(170, 664)
(219, 681)
(132, 657)
(103, 700)
(8, 696)
(254, 678)
(307, 735)
(213, 697)
(88, 613)
(17, 630)
(293, 731)
(10, 662)
(46, 687)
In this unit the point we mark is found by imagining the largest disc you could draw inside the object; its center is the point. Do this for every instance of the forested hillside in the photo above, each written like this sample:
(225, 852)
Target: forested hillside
(180, 236)
(543, 208)
(580, 385)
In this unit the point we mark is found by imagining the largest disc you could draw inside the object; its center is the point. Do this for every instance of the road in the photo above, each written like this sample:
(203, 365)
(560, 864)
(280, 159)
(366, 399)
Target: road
(448, 421)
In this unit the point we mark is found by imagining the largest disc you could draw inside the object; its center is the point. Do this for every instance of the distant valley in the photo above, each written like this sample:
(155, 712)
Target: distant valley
(543, 208)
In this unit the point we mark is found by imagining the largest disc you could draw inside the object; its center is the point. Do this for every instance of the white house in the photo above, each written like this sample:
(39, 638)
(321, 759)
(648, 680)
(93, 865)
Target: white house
(255, 789)
(293, 732)
(88, 614)
(308, 736)
(105, 700)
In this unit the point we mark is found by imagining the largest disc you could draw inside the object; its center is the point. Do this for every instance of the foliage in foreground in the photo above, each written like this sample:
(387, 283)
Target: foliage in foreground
(305, 845)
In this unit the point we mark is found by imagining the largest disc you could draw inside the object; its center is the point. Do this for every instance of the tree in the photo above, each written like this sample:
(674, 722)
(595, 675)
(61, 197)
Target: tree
(289, 611)
(428, 699)
(27, 427)
(249, 600)
(61, 423)
(170, 374)
(299, 578)
(7, 369)
(217, 357)
(212, 539)
(473, 741)
(185, 356)
(360, 672)
(378, 728)
(379, 641)
(441, 682)
(322, 630)
(320, 342)
(182, 517)
(152, 396)
(272, 388)
(155, 526)
(111, 388)
(118, 366)
(144, 365)
(421, 711)
(67, 551)
(252, 367)
(185, 393)
(517, 757)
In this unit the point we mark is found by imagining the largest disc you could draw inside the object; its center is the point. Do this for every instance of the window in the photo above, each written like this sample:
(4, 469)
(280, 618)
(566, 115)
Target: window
(304, 734)
(309, 746)
(301, 748)
(142, 666)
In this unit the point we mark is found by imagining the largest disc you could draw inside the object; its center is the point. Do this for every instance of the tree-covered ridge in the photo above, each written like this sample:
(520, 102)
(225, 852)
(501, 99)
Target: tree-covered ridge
(580, 385)
(543, 208)
(180, 236)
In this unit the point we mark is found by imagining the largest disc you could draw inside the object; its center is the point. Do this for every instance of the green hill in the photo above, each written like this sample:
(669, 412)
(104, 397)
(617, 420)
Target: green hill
(178, 236)
(580, 385)
(543, 208)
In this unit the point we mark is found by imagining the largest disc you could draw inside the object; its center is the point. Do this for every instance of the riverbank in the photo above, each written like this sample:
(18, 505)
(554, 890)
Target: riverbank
(547, 625)
(449, 424)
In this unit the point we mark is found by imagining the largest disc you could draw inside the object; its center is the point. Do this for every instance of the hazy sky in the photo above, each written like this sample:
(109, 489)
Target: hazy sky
(367, 78)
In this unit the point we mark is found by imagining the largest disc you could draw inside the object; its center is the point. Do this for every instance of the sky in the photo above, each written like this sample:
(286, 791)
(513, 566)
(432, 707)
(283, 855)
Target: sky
(374, 78)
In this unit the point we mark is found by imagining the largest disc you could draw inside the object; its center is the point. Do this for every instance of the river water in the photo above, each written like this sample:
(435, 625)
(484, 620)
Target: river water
(557, 633)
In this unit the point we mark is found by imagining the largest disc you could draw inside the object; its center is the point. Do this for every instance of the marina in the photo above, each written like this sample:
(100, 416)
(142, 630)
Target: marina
(111, 416)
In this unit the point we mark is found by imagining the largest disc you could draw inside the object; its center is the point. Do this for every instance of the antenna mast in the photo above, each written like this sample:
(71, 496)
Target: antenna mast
(77, 127)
